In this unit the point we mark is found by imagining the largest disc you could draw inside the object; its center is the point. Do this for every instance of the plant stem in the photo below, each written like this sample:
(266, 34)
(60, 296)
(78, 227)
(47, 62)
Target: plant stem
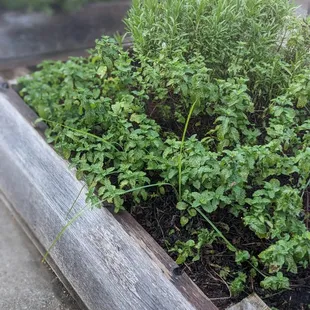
(229, 245)
(74, 202)
(80, 131)
(59, 235)
(142, 187)
(306, 187)
(182, 147)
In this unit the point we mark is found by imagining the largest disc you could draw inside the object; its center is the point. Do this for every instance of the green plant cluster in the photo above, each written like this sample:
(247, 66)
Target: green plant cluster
(213, 100)
(45, 6)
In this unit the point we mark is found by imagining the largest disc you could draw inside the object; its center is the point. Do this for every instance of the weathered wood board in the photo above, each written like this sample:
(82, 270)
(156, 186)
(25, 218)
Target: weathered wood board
(111, 263)
(29, 38)
(252, 302)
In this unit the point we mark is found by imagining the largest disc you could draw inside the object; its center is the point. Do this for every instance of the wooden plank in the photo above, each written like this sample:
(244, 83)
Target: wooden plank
(28, 38)
(110, 263)
(252, 302)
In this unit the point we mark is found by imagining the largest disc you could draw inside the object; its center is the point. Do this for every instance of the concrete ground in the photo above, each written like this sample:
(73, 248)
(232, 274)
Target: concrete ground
(26, 283)
(304, 8)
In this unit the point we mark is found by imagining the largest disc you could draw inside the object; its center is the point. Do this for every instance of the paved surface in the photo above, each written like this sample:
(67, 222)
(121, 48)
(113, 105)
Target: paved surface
(26, 283)
(29, 38)
(304, 8)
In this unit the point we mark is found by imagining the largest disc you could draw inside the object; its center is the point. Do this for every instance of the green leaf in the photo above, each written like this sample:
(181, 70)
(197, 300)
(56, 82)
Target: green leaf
(79, 175)
(184, 89)
(196, 258)
(96, 93)
(192, 212)
(137, 118)
(302, 102)
(276, 283)
(181, 259)
(38, 120)
(242, 256)
(102, 70)
(118, 203)
(42, 111)
(190, 243)
(172, 173)
(162, 190)
(237, 286)
(209, 208)
(197, 184)
(184, 220)
(66, 153)
(182, 205)
(108, 62)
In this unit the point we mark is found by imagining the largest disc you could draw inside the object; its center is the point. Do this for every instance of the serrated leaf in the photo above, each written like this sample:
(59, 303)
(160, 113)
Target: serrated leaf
(210, 207)
(137, 118)
(242, 256)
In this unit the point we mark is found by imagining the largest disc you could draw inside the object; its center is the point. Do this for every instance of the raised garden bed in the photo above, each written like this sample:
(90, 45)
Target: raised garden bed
(202, 133)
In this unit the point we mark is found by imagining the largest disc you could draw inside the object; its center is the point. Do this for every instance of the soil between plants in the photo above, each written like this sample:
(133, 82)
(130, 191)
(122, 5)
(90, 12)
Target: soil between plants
(160, 215)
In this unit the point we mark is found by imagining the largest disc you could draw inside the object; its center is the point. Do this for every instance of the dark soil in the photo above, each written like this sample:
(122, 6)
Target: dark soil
(159, 216)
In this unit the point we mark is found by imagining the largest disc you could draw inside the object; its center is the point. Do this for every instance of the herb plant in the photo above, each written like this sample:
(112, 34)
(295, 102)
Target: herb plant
(212, 102)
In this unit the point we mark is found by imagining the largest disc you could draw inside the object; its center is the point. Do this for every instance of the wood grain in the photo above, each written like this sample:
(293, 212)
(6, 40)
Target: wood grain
(111, 263)
(252, 302)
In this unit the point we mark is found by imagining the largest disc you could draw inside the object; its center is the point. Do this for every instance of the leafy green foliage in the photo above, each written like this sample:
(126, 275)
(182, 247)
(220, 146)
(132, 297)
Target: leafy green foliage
(192, 249)
(276, 282)
(235, 74)
(238, 284)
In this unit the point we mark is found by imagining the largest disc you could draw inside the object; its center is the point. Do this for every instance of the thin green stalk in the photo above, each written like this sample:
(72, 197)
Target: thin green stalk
(257, 270)
(74, 202)
(182, 147)
(304, 190)
(80, 131)
(229, 244)
(59, 235)
(143, 187)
